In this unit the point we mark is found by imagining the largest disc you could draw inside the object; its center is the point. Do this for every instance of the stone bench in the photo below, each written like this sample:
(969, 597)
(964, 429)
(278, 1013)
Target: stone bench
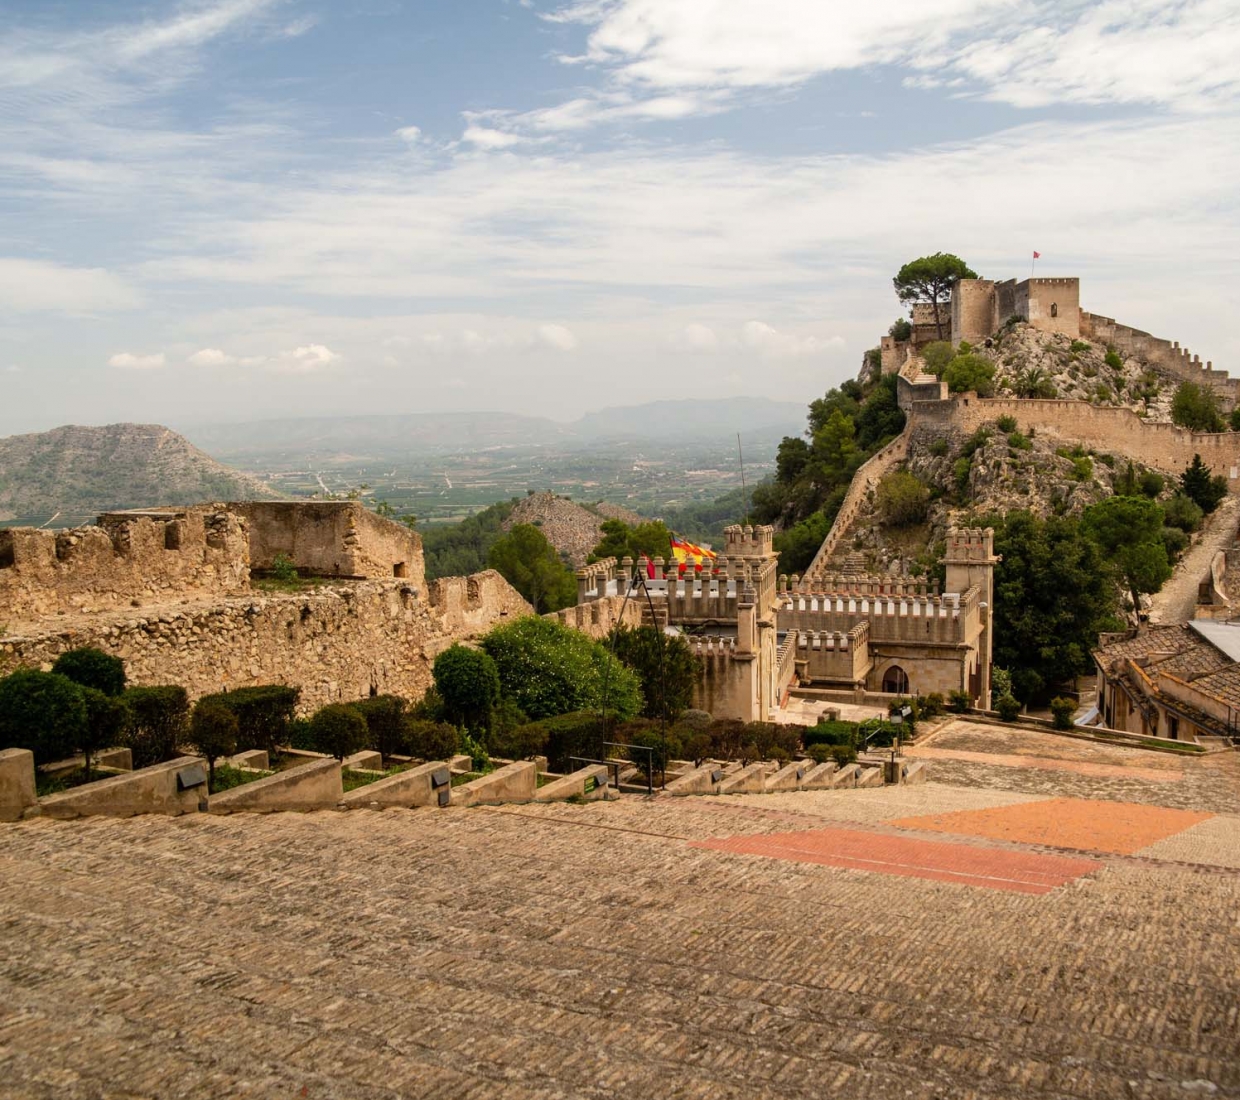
(574, 784)
(174, 787)
(820, 777)
(423, 785)
(870, 777)
(312, 786)
(845, 777)
(512, 783)
(789, 777)
(703, 780)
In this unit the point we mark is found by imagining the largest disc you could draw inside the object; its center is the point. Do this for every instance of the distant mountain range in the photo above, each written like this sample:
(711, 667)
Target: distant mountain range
(74, 473)
(755, 418)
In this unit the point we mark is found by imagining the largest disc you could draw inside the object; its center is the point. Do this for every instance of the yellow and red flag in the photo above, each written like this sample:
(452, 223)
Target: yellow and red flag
(685, 552)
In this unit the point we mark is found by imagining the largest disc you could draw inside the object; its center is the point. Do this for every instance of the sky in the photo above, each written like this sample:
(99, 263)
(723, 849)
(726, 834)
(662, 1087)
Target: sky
(239, 209)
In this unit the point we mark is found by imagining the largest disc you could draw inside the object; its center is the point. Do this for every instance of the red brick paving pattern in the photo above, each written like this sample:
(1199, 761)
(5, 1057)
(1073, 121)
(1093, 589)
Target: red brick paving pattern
(862, 850)
(1075, 823)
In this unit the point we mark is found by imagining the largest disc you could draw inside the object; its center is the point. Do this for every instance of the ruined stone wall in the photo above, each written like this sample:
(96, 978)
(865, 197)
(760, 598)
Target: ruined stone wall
(1119, 431)
(332, 539)
(598, 617)
(131, 559)
(864, 481)
(335, 643)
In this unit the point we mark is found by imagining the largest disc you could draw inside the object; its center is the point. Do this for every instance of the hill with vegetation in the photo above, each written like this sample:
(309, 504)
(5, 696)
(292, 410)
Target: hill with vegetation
(74, 472)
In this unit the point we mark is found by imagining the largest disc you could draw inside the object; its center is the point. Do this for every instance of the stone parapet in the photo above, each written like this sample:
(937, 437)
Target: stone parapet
(512, 783)
(424, 785)
(313, 786)
(174, 787)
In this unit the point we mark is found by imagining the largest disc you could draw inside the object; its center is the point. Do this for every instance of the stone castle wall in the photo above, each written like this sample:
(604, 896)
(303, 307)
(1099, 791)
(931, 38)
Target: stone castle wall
(1165, 447)
(335, 643)
(129, 559)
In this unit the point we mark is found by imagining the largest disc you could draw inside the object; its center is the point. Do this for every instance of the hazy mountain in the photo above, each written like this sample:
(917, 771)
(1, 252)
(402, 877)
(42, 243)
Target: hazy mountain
(420, 433)
(79, 472)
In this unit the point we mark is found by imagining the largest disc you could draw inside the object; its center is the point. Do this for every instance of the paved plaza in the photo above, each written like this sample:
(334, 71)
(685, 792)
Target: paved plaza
(1047, 917)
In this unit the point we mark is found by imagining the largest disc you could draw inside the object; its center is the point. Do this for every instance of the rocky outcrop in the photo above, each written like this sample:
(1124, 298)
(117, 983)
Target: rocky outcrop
(573, 529)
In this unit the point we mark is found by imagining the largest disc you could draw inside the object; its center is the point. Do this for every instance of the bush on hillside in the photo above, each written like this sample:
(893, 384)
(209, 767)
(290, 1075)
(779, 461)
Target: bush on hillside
(970, 373)
(1183, 513)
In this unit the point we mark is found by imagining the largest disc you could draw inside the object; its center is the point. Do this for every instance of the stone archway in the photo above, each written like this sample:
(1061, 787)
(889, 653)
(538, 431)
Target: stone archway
(895, 681)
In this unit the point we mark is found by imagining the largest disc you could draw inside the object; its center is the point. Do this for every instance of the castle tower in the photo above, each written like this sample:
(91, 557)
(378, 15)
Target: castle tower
(970, 561)
(974, 311)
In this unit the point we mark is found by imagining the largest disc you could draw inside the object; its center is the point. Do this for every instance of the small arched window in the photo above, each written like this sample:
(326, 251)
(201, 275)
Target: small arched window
(895, 681)
(1054, 309)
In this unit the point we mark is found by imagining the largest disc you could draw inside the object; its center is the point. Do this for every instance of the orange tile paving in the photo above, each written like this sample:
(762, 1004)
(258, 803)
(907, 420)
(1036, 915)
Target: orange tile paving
(1082, 824)
(1050, 763)
(860, 850)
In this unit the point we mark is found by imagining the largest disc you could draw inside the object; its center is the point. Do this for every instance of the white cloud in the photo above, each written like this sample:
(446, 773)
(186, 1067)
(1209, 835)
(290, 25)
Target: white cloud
(1039, 52)
(211, 357)
(487, 138)
(303, 360)
(699, 338)
(558, 337)
(128, 361)
(767, 340)
(34, 286)
(411, 134)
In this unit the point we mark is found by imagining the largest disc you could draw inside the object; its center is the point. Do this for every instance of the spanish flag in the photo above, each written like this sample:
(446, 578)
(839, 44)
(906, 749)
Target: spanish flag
(685, 552)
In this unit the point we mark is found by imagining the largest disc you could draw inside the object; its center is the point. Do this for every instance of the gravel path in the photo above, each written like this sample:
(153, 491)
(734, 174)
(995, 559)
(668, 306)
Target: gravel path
(1178, 598)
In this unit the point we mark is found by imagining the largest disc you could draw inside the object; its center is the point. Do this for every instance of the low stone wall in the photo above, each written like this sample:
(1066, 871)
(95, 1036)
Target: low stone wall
(334, 643)
(512, 783)
(425, 785)
(313, 786)
(598, 617)
(574, 784)
(174, 787)
(17, 790)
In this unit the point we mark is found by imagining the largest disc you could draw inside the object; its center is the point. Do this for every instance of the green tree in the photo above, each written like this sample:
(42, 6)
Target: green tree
(264, 714)
(92, 667)
(548, 669)
(932, 279)
(1128, 530)
(937, 354)
(1196, 408)
(1183, 512)
(651, 539)
(43, 712)
(213, 732)
(881, 417)
(798, 545)
(385, 717)
(528, 562)
(106, 718)
(1053, 596)
(902, 499)
(468, 681)
(835, 448)
(900, 329)
(1203, 490)
(668, 670)
(156, 722)
(338, 730)
(970, 374)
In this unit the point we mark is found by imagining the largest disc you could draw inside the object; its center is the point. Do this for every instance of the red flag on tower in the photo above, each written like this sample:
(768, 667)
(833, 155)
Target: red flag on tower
(1037, 255)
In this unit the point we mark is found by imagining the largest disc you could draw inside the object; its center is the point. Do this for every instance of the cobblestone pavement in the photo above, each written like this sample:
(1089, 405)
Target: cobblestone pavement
(1209, 783)
(588, 951)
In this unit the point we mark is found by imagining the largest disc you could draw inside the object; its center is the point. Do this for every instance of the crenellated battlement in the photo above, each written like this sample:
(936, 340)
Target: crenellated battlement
(749, 542)
(970, 544)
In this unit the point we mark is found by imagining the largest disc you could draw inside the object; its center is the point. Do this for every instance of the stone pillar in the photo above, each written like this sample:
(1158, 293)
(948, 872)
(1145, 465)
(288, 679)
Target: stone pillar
(17, 791)
(747, 621)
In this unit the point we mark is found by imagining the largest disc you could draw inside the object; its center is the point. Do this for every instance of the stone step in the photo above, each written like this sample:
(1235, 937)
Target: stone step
(789, 777)
(748, 780)
(820, 777)
(870, 777)
(845, 777)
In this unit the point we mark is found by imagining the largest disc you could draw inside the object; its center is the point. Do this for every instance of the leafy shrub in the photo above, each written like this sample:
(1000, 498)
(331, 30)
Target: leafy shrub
(1196, 408)
(106, 718)
(901, 330)
(668, 669)
(696, 719)
(338, 730)
(44, 712)
(298, 734)
(468, 683)
(579, 733)
(1174, 541)
(430, 708)
(937, 355)
(428, 740)
(479, 758)
(1006, 424)
(1151, 484)
(1183, 513)
(1019, 442)
(830, 733)
(92, 668)
(385, 717)
(1078, 346)
(1113, 359)
(939, 447)
(843, 754)
(156, 722)
(959, 701)
(213, 732)
(1008, 707)
(902, 499)
(283, 570)
(932, 705)
(961, 470)
(1062, 711)
(263, 713)
(521, 742)
(662, 748)
(548, 669)
(970, 373)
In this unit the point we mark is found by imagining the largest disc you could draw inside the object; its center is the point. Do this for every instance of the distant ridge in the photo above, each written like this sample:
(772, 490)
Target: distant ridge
(78, 471)
(414, 433)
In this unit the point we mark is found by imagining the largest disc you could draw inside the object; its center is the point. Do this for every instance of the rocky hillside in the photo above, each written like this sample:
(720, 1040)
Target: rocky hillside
(1030, 363)
(77, 472)
(573, 529)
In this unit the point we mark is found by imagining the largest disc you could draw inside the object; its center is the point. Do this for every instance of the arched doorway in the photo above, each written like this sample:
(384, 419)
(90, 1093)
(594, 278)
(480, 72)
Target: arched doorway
(895, 681)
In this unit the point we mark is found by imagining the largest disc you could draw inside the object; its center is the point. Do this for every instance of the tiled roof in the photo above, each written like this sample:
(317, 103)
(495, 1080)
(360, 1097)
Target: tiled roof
(1167, 640)
(1195, 661)
(1224, 685)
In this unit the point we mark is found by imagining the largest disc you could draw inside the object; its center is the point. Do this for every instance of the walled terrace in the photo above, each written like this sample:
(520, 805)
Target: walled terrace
(1046, 918)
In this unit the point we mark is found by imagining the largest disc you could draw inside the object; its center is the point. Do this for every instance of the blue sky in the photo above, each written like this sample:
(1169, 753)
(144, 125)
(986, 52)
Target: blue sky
(233, 209)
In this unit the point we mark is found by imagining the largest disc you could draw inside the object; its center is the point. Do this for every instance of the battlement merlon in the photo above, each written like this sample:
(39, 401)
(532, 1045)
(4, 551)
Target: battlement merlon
(749, 542)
